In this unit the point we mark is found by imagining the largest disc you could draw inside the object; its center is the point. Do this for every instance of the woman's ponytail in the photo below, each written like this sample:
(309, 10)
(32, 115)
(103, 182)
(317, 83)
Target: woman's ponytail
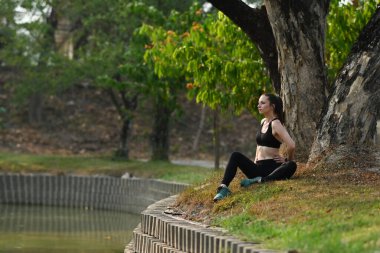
(278, 106)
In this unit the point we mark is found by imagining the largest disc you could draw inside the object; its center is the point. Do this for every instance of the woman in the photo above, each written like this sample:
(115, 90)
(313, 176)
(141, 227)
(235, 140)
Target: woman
(268, 164)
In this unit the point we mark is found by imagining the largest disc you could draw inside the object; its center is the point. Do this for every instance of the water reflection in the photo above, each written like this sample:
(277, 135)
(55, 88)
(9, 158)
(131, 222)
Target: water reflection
(42, 229)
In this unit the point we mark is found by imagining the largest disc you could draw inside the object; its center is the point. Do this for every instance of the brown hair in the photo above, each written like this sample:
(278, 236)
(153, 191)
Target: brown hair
(278, 106)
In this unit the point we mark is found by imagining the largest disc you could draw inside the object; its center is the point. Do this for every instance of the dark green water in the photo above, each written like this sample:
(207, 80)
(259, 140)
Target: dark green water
(42, 229)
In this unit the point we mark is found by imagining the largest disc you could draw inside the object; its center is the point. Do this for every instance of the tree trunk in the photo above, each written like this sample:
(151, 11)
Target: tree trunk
(35, 108)
(160, 134)
(199, 131)
(376, 139)
(299, 30)
(123, 150)
(349, 123)
(125, 106)
(216, 133)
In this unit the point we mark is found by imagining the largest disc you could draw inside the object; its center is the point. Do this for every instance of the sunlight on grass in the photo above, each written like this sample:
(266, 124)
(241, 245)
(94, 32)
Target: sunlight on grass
(327, 212)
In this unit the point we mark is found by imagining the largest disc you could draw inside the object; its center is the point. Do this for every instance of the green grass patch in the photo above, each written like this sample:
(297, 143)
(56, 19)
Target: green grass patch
(329, 220)
(42, 242)
(106, 165)
(334, 211)
(338, 232)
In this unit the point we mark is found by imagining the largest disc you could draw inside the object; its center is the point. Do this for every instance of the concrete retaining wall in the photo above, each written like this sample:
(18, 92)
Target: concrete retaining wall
(96, 192)
(159, 232)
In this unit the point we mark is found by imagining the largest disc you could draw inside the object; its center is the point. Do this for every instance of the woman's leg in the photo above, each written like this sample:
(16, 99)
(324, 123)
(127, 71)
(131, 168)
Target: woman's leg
(247, 166)
(284, 171)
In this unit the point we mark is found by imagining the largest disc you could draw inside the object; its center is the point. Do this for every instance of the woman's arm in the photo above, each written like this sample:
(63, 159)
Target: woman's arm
(257, 147)
(279, 131)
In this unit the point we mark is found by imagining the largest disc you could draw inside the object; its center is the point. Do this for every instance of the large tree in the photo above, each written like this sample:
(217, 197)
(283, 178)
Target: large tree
(291, 38)
(349, 121)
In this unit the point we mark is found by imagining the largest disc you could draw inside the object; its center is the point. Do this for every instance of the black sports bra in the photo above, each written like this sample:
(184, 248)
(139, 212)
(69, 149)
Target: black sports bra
(267, 139)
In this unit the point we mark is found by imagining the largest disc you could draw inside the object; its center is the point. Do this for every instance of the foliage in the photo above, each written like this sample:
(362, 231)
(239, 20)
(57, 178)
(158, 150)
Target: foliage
(221, 65)
(112, 48)
(27, 49)
(219, 62)
(2, 113)
(344, 23)
(102, 34)
(168, 6)
(106, 35)
(107, 55)
(8, 21)
(112, 54)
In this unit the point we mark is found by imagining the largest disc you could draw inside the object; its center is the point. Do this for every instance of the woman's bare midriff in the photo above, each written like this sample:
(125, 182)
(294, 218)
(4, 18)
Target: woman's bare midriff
(264, 153)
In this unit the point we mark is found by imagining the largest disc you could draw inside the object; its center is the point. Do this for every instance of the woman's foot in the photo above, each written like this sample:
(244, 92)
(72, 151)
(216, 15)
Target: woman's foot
(248, 181)
(222, 192)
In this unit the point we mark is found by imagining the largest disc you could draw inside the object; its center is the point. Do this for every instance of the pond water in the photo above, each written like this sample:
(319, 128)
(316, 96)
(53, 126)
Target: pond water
(42, 229)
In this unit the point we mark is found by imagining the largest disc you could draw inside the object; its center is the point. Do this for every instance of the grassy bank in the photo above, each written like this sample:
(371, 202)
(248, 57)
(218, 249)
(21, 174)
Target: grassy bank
(90, 165)
(319, 210)
(316, 211)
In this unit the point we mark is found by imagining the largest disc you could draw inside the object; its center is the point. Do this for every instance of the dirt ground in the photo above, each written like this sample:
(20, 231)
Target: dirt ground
(83, 120)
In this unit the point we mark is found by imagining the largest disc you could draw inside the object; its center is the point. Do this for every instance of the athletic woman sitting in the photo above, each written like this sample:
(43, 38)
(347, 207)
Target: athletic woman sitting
(268, 164)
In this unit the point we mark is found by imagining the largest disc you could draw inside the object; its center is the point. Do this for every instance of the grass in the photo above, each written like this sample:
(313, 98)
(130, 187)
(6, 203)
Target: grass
(320, 210)
(43, 242)
(90, 165)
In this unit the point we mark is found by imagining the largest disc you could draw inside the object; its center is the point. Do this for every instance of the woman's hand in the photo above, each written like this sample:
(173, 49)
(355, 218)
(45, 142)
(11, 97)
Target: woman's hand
(279, 159)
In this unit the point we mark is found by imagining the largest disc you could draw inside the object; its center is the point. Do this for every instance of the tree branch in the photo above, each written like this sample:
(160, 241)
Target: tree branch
(255, 23)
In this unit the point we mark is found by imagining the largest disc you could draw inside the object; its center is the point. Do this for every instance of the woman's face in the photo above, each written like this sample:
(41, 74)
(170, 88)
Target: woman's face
(264, 105)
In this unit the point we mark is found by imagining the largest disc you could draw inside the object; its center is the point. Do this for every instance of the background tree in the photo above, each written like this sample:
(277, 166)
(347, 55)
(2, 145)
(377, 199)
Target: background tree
(98, 37)
(7, 23)
(30, 52)
(220, 65)
(213, 56)
(7, 34)
(106, 51)
(112, 58)
(161, 92)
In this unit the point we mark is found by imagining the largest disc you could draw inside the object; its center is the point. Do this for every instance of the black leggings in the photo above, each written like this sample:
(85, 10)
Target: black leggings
(267, 169)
